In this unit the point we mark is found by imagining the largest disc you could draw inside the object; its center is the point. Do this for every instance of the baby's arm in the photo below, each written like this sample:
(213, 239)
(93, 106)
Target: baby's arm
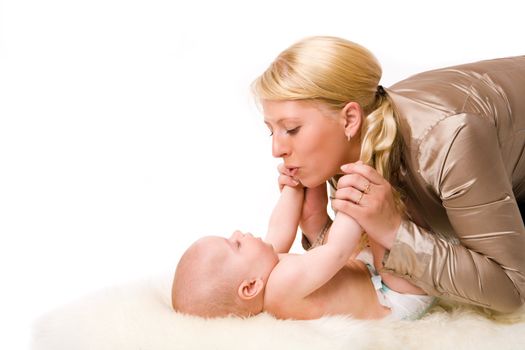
(299, 276)
(284, 220)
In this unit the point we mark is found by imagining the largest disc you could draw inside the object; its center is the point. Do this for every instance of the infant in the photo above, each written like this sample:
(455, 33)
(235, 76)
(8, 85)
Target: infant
(243, 275)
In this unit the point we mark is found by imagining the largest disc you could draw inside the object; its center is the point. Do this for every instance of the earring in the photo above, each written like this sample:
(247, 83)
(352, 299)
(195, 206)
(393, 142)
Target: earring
(349, 137)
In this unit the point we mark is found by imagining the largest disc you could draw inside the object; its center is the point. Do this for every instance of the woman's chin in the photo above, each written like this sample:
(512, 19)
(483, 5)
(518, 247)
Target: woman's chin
(312, 183)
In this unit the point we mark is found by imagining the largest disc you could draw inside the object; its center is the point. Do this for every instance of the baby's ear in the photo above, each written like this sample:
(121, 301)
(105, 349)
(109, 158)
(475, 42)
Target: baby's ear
(249, 289)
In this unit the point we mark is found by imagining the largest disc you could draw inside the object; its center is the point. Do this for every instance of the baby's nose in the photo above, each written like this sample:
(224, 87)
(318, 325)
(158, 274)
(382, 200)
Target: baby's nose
(236, 234)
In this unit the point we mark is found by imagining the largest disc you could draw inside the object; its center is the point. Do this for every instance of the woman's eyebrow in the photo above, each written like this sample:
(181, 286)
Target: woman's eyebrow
(280, 120)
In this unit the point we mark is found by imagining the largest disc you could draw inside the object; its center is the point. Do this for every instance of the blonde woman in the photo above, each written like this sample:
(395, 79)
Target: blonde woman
(432, 168)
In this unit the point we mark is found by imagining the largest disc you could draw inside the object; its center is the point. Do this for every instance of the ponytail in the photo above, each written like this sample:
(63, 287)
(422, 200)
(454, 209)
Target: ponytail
(380, 143)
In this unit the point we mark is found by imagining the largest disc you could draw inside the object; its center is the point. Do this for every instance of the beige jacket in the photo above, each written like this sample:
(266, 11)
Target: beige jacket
(464, 168)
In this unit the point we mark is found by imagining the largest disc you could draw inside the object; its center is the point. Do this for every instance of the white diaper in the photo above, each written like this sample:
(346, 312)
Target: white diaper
(402, 306)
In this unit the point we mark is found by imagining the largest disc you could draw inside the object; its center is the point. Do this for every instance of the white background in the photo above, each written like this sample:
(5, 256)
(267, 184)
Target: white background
(127, 129)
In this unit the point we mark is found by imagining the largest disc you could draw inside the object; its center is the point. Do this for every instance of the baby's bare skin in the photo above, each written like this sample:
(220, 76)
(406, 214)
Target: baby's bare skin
(349, 292)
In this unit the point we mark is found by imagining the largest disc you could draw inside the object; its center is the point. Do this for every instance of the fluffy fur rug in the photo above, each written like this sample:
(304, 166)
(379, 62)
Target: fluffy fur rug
(138, 316)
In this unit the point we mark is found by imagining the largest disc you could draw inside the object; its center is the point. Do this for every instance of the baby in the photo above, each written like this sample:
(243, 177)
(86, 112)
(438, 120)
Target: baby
(243, 275)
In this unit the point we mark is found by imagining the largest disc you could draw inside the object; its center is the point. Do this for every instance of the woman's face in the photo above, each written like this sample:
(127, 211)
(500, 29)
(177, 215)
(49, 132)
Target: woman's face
(309, 137)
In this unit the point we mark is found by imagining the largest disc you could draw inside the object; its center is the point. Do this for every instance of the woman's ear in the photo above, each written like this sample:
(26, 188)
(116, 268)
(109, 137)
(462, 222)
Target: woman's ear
(353, 115)
(249, 289)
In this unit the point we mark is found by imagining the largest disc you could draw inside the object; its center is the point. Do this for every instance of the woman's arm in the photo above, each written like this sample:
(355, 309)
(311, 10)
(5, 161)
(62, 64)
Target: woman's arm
(284, 220)
(486, 264)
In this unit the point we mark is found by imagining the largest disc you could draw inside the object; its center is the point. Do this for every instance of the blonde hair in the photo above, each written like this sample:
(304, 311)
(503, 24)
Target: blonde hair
(335, 71)
(201, 288)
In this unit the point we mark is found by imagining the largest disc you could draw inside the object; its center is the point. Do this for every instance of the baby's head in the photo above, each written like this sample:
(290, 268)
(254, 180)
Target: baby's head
(219, 276)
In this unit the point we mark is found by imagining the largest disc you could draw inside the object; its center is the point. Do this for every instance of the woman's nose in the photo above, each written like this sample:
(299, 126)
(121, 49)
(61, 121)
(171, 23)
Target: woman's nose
(280, 148)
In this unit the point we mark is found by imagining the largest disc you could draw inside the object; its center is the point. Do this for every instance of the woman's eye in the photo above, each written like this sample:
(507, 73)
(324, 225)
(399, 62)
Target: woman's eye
(293, 131)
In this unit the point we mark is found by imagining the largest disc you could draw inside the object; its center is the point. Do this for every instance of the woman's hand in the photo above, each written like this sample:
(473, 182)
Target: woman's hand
(367, 197)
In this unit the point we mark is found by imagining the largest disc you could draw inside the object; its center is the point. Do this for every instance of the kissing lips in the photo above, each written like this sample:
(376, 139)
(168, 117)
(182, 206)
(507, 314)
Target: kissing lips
(292, 170)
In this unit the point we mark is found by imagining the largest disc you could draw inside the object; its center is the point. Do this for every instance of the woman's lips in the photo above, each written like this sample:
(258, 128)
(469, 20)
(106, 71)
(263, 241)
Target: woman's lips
(292, 170)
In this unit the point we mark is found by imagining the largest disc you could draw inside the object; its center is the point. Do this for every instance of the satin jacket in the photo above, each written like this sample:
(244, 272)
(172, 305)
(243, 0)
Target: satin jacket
(463, 130)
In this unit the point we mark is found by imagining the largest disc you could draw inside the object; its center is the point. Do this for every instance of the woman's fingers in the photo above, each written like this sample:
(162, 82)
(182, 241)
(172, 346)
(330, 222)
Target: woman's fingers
(351, 194)
(365, 171)
(366, 196)
(347, 207)
(355, 180)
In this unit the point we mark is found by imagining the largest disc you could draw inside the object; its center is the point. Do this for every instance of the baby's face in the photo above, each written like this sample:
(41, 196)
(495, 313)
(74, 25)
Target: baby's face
(243, 255)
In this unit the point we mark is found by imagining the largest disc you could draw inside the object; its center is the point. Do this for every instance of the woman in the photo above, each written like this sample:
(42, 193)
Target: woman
(441, 165)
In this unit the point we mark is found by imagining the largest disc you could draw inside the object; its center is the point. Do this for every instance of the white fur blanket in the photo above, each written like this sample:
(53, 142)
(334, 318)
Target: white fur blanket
(138, 316)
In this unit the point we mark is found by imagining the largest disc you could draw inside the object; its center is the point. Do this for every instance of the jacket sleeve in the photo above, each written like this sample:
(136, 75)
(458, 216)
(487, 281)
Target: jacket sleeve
(461, 162)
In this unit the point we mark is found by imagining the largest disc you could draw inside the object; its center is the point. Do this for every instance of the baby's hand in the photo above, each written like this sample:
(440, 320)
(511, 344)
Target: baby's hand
(286, 177)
